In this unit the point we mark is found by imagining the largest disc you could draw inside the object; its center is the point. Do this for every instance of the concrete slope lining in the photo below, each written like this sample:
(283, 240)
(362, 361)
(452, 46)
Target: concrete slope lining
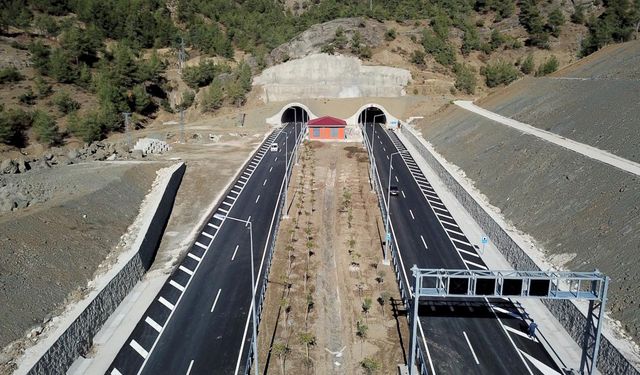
(581, 148)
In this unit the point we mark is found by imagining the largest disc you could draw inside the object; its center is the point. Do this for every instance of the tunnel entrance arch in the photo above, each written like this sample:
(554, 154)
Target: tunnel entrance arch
(294, 114)
(372, 115)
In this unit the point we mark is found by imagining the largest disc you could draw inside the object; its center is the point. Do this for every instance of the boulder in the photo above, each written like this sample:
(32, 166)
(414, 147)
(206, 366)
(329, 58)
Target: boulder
(63, 160)
(8, 166)
(23, 166)
(72, 154)
(137, 154)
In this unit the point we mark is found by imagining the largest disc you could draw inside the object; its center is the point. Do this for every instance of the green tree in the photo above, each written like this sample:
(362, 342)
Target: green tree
(528, 65)
(497, 39)
(370, 365)
(390, 35)
(417, 57)
(46, 24)
(555, 21)
(549, 66)
(281, 350)
(43, 88)
(465, 79)
(366, 306)
(45, 128)
(65, 104)
(307, 339)
(140, 100)
(60, 67)
(383, 299)
(438, 47)
(577, 16)
(13, 123)
(213, 98)
(10, 74)
(499, 73)
(40, 56)
(188, 97)
(88, 128)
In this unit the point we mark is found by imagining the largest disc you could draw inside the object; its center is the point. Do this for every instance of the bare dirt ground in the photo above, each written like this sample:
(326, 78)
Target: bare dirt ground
(347, 310)
(50, 250)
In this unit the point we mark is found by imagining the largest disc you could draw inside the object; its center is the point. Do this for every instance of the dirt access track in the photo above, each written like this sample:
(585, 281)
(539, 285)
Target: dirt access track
(331, 306)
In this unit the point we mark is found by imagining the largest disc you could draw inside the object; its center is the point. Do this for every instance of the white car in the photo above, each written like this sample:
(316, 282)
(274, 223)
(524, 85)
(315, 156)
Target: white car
(274, 147)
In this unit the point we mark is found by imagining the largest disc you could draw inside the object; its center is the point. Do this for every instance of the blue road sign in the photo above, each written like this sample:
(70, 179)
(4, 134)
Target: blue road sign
(485, 240)
(388, 237)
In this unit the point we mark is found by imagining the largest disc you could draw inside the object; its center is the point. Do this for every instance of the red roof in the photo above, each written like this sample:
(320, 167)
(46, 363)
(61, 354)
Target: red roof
(327, 121)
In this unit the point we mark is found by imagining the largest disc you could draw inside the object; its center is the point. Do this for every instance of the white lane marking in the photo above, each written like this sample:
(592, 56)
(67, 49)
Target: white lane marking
(475, 264)
(153, 324)
(403, 196)
(176, 285)
(232, 198)
(424, 341)
(468, 253)
(247, 173)
(413, 217)
(456, 242)
(387, 157)
(196, 258)
(234, 252)
(213, 226)
(270, 169)
(168, 304)
(505, 311)
(384, 149)
(471, 347)
(200, 245)
(223, 210)
(216, 300)
(424, 243)
(257, 199)
(396, 178)
(519, 333)
(115, 372)
(248, 220)
(227, 203)
(264, 183)
(207, 235)
(546, 370)
(276, 159)
(134, 344)
(190, 366)
(186, 270)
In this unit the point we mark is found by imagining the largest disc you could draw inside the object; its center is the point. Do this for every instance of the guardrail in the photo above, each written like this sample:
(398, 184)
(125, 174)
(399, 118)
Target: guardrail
(405, 289)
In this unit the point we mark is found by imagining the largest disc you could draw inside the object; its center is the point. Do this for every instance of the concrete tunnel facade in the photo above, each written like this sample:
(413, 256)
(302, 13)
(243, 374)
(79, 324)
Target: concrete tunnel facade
(372, 109)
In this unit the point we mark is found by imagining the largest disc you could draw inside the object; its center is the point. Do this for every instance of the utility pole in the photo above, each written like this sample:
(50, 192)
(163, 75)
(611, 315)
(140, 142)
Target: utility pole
(182, 140)
(182, 56)
(127, 131)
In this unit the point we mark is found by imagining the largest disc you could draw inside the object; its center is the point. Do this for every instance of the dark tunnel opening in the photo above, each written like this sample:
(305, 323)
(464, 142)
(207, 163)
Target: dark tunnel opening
(293, 114)
(372, 114)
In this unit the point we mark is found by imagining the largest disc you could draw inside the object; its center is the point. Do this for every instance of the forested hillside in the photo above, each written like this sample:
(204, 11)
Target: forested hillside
(100, 58)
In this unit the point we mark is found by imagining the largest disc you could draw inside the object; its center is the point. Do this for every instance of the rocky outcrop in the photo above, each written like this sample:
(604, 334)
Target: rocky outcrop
(313, 39)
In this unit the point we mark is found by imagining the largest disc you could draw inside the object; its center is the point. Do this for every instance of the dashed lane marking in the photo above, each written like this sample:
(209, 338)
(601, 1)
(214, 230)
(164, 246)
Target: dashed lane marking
(166, 303)
(264, 183)
(270, 169)
(413, 217)
(153, 324)
(471, 347)
(186, 270)
(424, 243)
(257, 199)
(190, 366)
(216, 300)
(138, 348)
(396, 178)
(235, 252)
(176, 285)
(403, 196)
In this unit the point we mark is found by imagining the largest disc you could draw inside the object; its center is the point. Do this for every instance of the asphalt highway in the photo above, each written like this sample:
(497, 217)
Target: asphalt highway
(199, 323)
(461, 336)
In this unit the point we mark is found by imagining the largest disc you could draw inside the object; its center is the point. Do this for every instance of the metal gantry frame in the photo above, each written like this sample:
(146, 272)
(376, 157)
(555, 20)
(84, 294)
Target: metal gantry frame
(564, 285)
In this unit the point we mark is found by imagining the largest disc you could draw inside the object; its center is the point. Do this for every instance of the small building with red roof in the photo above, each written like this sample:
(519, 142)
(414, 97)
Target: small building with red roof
(327, 128)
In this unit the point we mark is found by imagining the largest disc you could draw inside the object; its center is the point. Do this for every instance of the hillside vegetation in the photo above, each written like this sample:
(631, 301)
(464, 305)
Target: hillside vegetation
(73, 67)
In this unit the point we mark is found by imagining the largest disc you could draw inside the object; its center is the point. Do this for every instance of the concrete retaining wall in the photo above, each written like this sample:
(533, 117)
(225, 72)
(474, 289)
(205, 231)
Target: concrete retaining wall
(610, 360)
(77, 339)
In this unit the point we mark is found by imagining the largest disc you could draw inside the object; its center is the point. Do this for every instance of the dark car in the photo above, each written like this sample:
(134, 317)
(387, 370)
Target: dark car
(394, 190)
